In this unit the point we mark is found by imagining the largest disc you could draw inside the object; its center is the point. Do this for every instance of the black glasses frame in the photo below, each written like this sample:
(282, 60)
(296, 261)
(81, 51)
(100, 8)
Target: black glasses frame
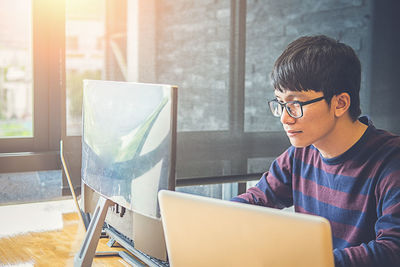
(284, 105)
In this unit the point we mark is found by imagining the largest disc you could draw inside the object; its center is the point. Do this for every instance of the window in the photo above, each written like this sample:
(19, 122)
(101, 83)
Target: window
(72, 44)
(30, 115)
(84, 26)
(99, 50)
(16, 73)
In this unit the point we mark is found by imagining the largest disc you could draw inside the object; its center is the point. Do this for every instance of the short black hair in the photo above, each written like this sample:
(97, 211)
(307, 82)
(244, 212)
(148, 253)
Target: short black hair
(321, 64)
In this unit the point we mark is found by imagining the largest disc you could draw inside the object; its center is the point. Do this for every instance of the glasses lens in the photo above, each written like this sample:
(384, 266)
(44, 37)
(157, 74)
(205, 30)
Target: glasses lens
(276, 108)
(294, 109)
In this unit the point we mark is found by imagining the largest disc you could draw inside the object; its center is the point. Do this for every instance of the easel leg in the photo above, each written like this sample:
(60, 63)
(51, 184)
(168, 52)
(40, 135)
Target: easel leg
(85, 255)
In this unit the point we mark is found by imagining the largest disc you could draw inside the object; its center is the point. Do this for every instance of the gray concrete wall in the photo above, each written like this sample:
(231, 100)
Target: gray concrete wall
(385, 56)
(271, 25)
(193, 52)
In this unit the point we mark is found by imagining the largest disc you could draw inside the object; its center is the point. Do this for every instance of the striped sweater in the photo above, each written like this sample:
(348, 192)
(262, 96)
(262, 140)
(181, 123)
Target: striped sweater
(358, 192)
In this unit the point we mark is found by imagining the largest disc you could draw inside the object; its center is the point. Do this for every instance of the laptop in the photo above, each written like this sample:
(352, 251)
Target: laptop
(201, 231)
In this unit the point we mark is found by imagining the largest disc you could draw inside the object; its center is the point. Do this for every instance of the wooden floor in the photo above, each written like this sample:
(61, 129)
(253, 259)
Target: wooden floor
(45, 234)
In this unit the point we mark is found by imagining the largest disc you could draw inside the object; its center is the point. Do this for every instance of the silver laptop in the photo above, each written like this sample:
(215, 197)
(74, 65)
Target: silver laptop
(202, 231)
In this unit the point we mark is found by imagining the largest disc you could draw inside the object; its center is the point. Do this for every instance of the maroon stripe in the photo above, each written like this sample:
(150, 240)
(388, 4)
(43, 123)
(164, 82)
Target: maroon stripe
(346, 232)
(333, 197)
(388, 232)
(389, 182)
(343, 231)
(278, 187)
(257, 193)
(301, 210)
(394, 209)
(284, 162)
(312, 157)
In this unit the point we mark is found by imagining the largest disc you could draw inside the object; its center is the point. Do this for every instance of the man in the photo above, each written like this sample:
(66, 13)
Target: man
(339, 166)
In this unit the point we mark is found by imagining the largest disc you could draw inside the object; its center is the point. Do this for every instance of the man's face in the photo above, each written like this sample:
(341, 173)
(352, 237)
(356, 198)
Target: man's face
(316, 124)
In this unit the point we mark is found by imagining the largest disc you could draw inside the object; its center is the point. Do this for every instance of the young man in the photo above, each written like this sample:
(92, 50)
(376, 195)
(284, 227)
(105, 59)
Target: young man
(339, 166)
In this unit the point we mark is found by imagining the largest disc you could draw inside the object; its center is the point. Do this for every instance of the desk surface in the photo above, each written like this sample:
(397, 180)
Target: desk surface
(46, 234)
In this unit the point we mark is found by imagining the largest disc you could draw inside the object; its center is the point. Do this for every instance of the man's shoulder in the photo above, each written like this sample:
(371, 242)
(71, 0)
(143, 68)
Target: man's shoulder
(382, 140)
(378, 136)
(384, 150)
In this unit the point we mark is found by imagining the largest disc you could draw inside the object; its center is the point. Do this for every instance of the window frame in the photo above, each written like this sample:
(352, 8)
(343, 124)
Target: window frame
(41, 152)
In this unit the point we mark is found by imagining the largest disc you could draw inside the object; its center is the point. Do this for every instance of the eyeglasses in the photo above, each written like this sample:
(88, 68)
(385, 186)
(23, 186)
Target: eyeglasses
(294, 108)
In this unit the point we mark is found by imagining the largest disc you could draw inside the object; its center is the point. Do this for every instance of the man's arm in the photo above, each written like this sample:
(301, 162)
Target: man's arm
(274, 189)
(385, 249)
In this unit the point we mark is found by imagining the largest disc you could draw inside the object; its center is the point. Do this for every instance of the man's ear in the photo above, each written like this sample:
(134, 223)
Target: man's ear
(341, 104)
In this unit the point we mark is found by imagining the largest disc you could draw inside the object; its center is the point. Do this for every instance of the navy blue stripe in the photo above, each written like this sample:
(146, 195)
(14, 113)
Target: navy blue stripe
(390, 167)
(339, 243)
(277, 172)
(312, 205)
(341, 183)
(388, 222)
(270, 194)
(391, 198)
(238, 199)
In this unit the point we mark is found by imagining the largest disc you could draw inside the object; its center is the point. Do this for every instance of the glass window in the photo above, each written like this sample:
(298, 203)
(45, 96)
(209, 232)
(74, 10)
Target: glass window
(85, 54)
(15, 69)
(30, 84)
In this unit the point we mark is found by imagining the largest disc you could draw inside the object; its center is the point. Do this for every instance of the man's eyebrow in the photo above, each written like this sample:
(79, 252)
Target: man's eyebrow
(291, 96)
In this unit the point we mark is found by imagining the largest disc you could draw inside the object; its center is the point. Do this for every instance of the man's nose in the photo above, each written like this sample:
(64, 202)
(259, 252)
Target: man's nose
(286, 118)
